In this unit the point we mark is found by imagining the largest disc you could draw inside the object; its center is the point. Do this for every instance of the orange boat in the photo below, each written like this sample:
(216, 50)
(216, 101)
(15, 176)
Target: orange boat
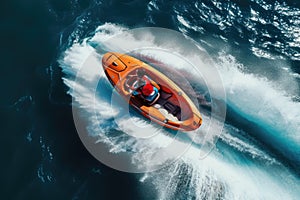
(168, 106)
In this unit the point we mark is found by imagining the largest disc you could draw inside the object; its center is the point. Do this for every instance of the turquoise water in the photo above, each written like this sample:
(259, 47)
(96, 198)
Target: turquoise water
(255, 45)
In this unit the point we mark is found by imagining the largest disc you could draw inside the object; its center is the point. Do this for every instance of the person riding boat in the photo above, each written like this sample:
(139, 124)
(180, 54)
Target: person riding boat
(141, 85)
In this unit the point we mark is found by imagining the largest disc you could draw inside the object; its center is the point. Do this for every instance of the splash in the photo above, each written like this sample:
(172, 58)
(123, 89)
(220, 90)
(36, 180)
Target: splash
(236, 169)
(260, 101)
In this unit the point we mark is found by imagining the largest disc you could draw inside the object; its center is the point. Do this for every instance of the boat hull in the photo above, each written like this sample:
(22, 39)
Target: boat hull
(172, 109)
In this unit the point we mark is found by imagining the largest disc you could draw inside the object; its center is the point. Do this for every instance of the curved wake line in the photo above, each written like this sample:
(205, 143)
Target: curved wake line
(257, 100)
(223, 173)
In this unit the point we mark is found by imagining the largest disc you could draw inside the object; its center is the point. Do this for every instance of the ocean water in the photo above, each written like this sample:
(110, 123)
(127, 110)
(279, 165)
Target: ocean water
(255, 47)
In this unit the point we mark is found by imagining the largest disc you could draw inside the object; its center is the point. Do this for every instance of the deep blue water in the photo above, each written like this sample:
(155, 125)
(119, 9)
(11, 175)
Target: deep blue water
(42, 155)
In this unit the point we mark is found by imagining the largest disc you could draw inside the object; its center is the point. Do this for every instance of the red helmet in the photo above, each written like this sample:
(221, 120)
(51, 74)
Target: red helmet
(147, 89)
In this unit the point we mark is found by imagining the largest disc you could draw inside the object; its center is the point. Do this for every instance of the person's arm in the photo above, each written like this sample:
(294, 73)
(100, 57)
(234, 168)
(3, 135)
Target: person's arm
(136, 92)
